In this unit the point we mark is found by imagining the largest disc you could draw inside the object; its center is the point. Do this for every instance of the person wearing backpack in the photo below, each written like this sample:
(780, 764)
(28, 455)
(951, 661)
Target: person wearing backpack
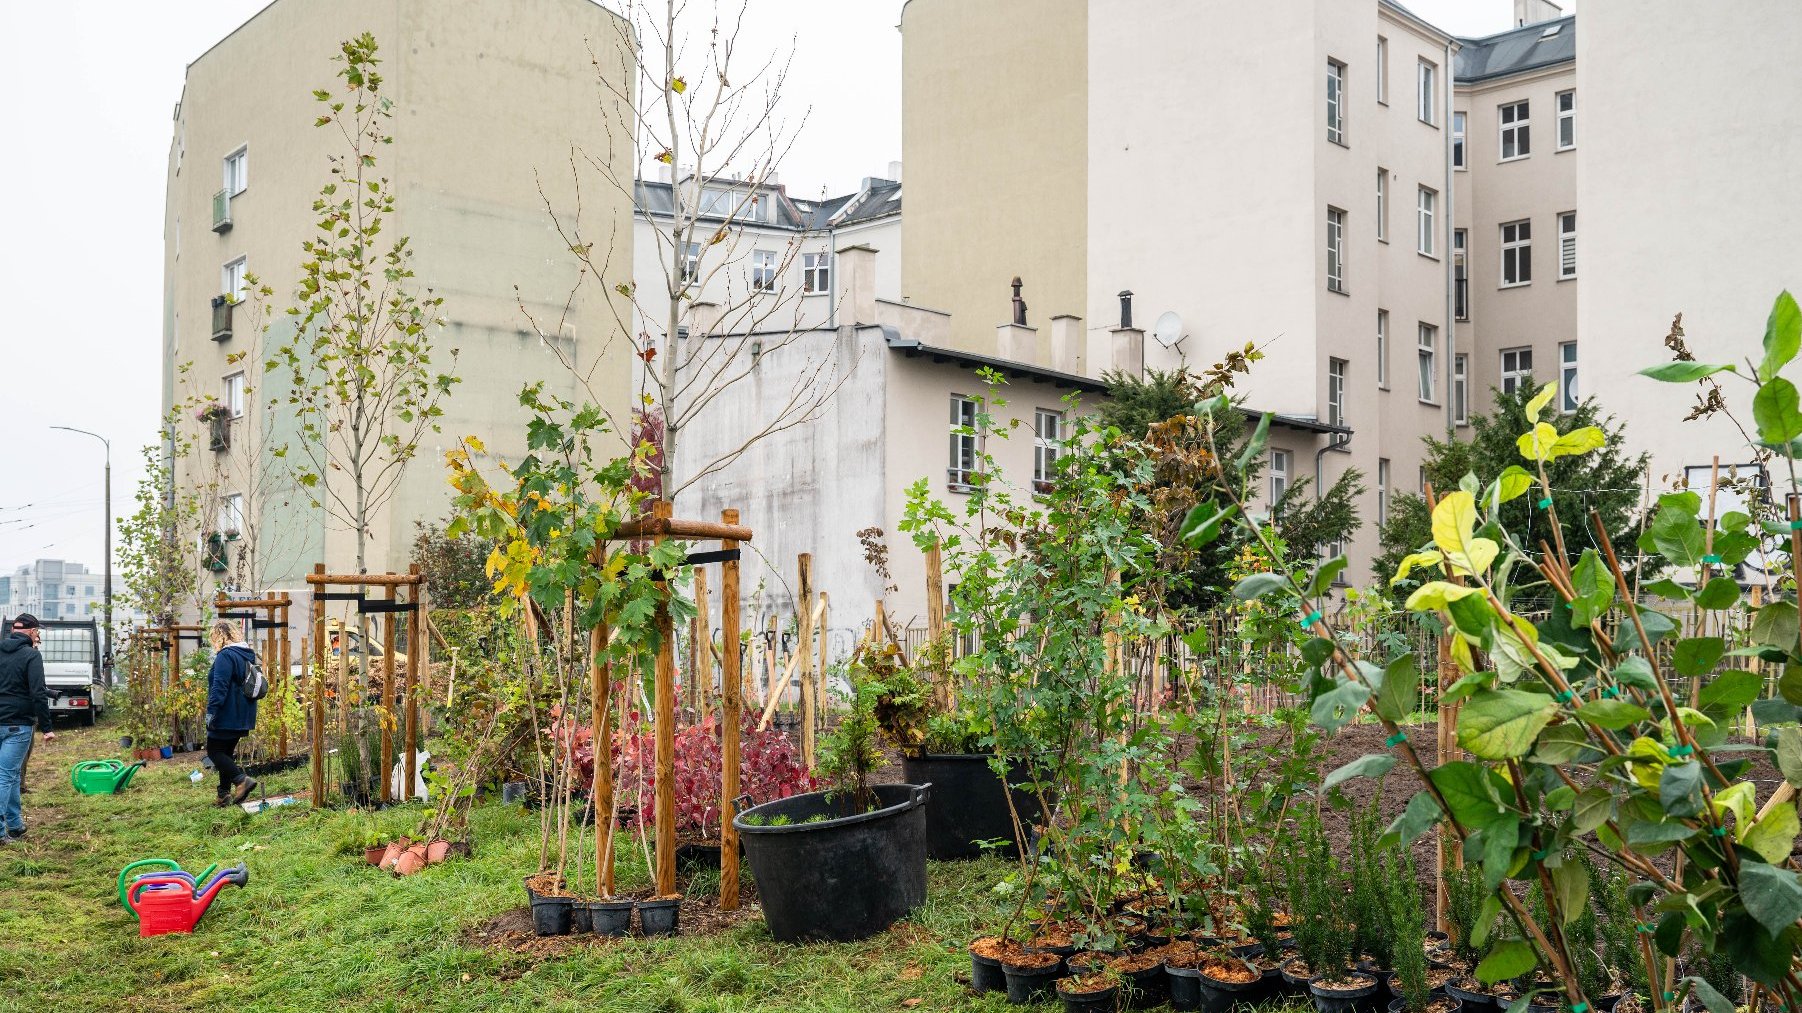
(234, 685)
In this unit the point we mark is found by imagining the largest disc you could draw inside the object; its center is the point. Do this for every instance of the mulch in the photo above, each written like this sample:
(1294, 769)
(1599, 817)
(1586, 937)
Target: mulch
(511, 931)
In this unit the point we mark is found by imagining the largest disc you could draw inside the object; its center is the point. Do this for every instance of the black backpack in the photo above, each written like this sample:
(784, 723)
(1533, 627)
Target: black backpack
(254, 684)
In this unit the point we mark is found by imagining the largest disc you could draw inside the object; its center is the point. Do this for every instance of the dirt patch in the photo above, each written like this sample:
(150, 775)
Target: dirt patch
(511, 931)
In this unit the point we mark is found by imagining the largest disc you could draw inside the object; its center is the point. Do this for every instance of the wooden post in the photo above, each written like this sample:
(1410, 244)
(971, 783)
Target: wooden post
(819, 691)
(416, 648)
(388, 701)
(665, 704)
(935, 625)
(804, 652)
(318, 730)
(600, 691)
(731, 705)
(701, 672)
(284, 678)
(773, 641)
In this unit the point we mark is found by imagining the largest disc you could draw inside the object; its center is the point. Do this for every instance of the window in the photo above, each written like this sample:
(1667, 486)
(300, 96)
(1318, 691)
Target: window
(1427, 351)
(1382, 204)
(1516, 143)
(1457, 140)
(1517, 253)
(1421, 477)
(718, 203)
(1335, 101)
(1382, 490)
(816, 272)
(1279, 476)
(1047, 440)
(1460, 275)
(1517, 369)
(1424, 204)
(1461, 390)
(1567, 120)
(1567, 376)
(1335, 250)
(1383, 349)
(1382, 70)
(234, 395)
(237, 172)
(70, 593)
(89, 590)
(1335, 392)
(1425, 88)
(1567, 244)
(231, 513)
(763, 270)
(691, 261)
(231, 280)
(962, 472)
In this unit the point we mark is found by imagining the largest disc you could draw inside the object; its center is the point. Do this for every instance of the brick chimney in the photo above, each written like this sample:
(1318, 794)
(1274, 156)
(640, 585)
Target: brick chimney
(856, 267)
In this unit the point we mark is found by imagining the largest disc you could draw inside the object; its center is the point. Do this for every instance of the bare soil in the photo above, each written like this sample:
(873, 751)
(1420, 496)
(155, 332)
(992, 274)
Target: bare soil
(511, 931)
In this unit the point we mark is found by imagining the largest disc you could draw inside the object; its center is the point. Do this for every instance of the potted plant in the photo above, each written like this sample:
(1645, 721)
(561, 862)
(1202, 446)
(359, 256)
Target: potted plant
(1093, 991)
(1320, 905)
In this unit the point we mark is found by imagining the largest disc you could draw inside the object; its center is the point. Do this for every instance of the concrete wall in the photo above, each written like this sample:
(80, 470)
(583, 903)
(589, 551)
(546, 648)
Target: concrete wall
(1688, 141)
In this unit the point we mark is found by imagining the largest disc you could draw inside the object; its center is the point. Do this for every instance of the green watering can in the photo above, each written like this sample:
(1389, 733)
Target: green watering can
(102, 777)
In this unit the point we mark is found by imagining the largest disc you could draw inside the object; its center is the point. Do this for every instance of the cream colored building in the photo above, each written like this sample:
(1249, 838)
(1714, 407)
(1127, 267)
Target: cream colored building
(489, 98)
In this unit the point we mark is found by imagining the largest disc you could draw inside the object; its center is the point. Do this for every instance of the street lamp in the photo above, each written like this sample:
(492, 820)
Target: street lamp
(106, 663)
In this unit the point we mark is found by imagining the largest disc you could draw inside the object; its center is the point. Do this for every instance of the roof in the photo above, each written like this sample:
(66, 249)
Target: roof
(1518, 50)
(877, 199)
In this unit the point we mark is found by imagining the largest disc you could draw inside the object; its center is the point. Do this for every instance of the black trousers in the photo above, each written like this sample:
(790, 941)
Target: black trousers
(222, 748)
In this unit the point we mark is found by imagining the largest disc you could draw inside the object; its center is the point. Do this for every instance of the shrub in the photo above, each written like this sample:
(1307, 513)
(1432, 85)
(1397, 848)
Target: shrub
(769, 768)
(1408, 927)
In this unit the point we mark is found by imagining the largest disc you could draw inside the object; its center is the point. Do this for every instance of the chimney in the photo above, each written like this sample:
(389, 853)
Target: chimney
(1016, 343)
(1532, 12)
(1066, 344)
(856, 284)
(1126, 347)
(703, 319)
(1126, 308)
(666, 173)
(894, 171)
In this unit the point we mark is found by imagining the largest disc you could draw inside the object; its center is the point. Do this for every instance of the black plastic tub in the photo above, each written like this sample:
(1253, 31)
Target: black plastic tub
(659, 917)
(1474, 1002)
(1184, 986)
(1293, 983)
(1144, 989)
(551, 916)
(1400, 1005)
(842, 878)
(1219, 996)
(1104, 1000)
(985, 974)
(610, 917)
(970, 803)
(1031, 984)
(1343, 1000)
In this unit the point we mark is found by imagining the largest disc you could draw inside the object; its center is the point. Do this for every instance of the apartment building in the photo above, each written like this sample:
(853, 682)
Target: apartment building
(60, 589)
(490, 98)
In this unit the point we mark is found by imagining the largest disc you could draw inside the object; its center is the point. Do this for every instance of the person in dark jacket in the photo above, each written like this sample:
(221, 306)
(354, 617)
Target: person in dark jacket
(24, 702)
(230, 715)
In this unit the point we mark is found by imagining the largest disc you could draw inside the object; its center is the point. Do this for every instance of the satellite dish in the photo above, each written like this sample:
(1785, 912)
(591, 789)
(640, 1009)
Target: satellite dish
(1168, 330)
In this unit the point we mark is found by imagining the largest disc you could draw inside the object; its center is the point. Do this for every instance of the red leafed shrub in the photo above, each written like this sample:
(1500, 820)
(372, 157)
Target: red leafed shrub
(769, 768)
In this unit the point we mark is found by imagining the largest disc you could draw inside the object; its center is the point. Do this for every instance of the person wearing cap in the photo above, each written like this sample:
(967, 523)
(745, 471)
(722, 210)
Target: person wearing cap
(24, 703)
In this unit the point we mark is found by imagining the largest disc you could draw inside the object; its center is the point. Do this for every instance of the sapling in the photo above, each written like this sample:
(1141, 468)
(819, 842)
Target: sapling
(1464, 898)
(1317, 903)
(1407, 923)
(852, 750)
(1368, 908)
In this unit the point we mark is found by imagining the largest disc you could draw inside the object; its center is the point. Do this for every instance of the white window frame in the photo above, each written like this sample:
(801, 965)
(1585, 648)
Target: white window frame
(1567, 245)
(1280, 461)
(1426, 354)
(1382, 349)
(1335, 101)
(234, 394)
(1513, 124)
(1426, 205)
(816, 273)
(691, 262)
(235, 182)
(1568, 390)
(1382, 491)
(1047, 444)
(763, 270)
(1382, 204)
(1461, 389)
(1516, 368)
(231, 279)
(965, 448)
(1461, 274)
(1426, 91)
(231, 513)
(1382, 71)
(1460, 155)
(1516, 261)
(1335, 250)
(1566, 105)
(1335, 391)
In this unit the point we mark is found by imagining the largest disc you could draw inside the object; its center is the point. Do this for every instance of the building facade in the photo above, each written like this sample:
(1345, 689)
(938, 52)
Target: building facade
(59, 589)
(246, 164)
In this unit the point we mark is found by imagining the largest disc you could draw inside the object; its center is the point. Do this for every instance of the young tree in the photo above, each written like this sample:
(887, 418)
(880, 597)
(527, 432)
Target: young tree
(362, 385)
(1610, 480)
(159, 556)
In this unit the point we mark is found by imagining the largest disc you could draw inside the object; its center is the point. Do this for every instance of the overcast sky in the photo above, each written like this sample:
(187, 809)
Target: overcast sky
(94, 86)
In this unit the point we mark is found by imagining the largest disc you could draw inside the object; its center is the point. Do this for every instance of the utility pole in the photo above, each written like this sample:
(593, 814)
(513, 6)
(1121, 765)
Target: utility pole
(106, 655)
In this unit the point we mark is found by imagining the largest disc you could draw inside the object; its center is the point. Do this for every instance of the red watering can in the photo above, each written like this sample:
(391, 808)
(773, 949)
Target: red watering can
(171, 905)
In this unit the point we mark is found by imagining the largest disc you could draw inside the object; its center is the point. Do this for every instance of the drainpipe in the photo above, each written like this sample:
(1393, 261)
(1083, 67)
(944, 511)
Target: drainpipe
(1338, 443)
(1451, 283)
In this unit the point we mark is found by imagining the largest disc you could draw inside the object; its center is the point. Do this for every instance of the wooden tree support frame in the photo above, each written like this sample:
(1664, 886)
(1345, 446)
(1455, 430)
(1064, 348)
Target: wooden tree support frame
(171, 637)
(273, 624)
(414, 606)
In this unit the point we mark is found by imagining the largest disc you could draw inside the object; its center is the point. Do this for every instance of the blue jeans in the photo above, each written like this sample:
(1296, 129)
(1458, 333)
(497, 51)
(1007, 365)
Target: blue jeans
(15, 745)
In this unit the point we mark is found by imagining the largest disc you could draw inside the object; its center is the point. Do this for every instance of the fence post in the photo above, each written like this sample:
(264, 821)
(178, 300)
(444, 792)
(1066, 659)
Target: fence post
(731, 704)
(804, 656)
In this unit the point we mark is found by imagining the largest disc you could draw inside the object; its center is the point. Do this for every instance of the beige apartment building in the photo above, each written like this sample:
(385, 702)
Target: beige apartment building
(489, 97)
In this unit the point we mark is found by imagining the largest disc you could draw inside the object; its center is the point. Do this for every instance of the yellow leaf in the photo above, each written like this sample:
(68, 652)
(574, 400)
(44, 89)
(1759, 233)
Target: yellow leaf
(475, 444)
(1435, 595)
(1461, 653)
(1513, 482)
(678, 85)
(1578, 441)
(1740, 800)
(1540, 400)
(1454, 520)
(1774, 835)
(1412, 560)
(1537, 445)
(666, 157)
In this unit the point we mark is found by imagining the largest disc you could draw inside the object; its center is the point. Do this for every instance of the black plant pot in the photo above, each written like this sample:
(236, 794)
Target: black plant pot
(1144, 989)
(1535, 1007)
(1104, 1001)
(846, 877)
(1271, 985)
(1219, 996)
(1606, 1003)
(1342, 1000)
(514, 791)
(1474, 1002)
(579, 923)
(1184, 987)
(985, 974)
(659, 917)
(969, 803)
(1293, 984)
(610, 917)
(124, 742)
(551, 916)
(1400, 1005)
(1031, 984)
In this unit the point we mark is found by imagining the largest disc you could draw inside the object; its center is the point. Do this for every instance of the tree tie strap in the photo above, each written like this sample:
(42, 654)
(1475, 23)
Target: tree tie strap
(1310, 619)
(1719, 831)
(1564, 697)
(1646, 928)
(1542, 855)
(1581, 1007)
(1712, 558)
(1796, 525)
(1545, 504)
(1395, 740)
(1682, 750)
(1611, 691)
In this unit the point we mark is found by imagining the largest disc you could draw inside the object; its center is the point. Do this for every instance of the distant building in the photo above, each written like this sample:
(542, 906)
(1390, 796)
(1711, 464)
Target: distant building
(58, 589)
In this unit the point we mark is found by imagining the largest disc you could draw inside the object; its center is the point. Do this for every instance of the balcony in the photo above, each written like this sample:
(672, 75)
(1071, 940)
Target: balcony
(219, 431)
(222, 317)
(222, 211)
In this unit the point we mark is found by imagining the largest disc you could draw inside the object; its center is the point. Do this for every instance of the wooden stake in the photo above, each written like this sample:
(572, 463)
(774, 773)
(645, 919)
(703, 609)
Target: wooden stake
(665, 706)
(804, 652)
(702, 669)
(730, 687)
(285, 680)
(416, 653)
(773, 642)
(318, 729)
(388, 701)
(600, 692)
(819, 691)
(935, 625)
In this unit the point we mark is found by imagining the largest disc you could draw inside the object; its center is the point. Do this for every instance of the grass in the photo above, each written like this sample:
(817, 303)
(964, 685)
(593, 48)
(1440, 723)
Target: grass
(316, 929)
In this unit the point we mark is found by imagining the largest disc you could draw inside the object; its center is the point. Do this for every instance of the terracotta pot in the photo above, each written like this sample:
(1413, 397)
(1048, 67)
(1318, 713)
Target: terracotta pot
(392, 853)
(374, 855)
(437, 851)
(409, 863)
(417, 849)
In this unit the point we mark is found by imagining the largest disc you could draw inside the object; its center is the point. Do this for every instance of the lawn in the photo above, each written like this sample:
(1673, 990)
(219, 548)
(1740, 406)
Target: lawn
(318, 930)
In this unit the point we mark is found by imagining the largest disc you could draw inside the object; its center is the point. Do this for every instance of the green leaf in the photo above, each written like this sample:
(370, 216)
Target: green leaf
(1776, 712)
(1676, 534)
(1201, 525)
(1680, 789)
(1368, 765)
(1789, 683)
(1698, 655)
(1782, 336)
(1540, 400)
(1612, 714)
(1593, 808)
(1254, 447)
(1334, 708)
(1508, 958)
(1502, 724)
(1572, 885)
(1665, 587)
(1650, 832)
(1789, 754)
(1775, 625)
(1635, 672)
(1761, 956)
(1258, 585)
(1512, 483)
(1400, 692)
(1594, 589)
(1561, 744)
(1771, 894)
(1421, 815)
(1777, 411)
(1702, 990)
(1684, 372)
(1774, 836)
(1472, 791)
(1323, 577)
(1731, 690)
(1721, 593)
